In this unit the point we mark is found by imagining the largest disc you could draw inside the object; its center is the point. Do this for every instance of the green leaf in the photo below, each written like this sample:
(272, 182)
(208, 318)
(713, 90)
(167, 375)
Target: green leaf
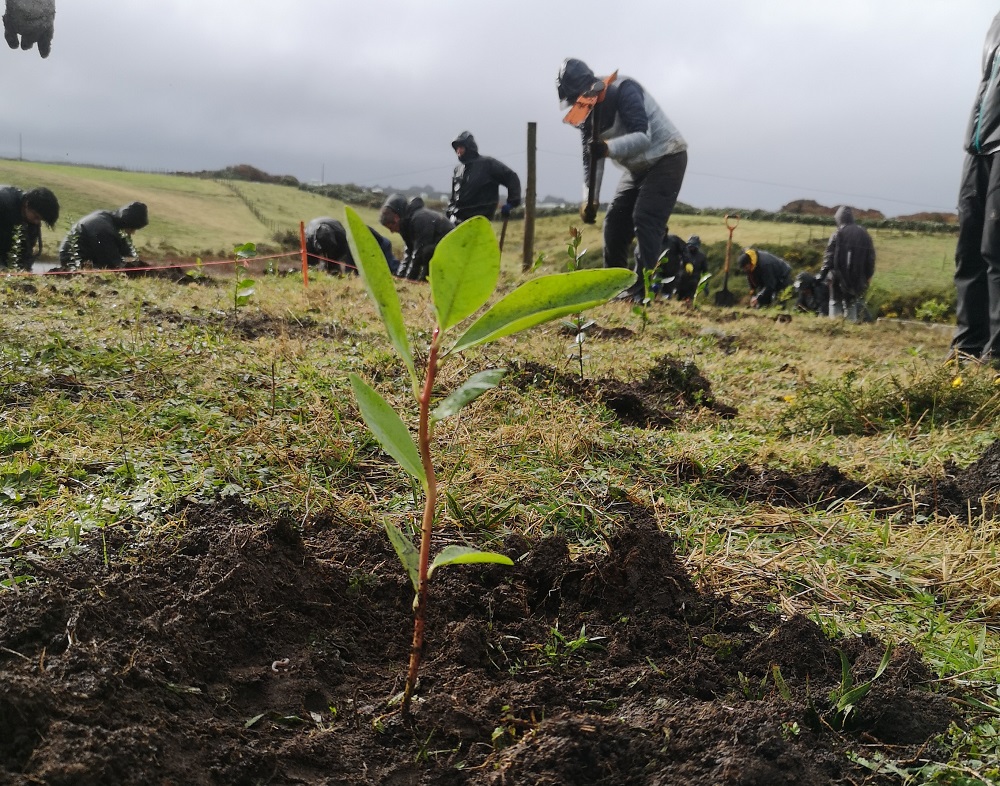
(14, 443)
(542, 299)
(246, 251)
(472, 389)
(388, 428)
(406, 552)
(463, 555)
(378, 281)
(464, 271)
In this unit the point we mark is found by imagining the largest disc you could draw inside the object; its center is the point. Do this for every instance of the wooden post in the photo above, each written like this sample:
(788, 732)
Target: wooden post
(529, 202)
(305, 256)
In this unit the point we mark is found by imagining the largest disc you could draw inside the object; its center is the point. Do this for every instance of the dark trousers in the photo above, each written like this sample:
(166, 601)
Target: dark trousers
(977, 259)
(639, 211)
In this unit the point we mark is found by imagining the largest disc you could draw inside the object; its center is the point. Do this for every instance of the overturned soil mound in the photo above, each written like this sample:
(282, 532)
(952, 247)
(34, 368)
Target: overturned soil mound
(671, 388)
(973, 491)
(243, 649)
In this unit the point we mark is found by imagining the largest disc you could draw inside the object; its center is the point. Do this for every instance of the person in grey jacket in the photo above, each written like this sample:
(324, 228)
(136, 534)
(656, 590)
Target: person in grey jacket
(103, 239)
(475, 184)
(977, 253)
(766, 274)
(848, 265)
(619, 120)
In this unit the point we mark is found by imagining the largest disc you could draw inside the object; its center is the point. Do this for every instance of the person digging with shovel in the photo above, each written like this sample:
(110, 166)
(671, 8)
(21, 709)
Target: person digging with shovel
(619, 119)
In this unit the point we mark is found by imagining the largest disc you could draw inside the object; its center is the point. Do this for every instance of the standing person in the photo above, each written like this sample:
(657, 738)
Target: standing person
(421, 229)
(766, 274)
(475, 184)
(620, 120)
(848, 265)
(327, 247)
(103, 239)
(977, 253)
(21, 217)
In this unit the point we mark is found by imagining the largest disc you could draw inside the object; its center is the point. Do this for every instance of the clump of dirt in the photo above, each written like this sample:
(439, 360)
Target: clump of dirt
(672, 388)
(973, 491)
(821, 487)
(249, 324)
(242, 648)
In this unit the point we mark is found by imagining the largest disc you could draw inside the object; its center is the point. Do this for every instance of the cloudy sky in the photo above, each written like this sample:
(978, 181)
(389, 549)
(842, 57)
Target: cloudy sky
(856, 101)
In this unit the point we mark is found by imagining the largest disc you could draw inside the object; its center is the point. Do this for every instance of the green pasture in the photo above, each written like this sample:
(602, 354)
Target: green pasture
(192, 217)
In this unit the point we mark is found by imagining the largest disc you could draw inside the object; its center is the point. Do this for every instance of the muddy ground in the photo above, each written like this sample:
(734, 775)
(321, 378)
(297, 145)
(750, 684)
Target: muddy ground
(244, 648)
(250, 650)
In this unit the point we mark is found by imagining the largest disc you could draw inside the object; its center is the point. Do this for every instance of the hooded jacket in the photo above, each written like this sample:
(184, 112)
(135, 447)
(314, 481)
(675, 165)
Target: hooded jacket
(849, 260)
(475, 184)
(983, 135)
(421, 229)
(326, 244)
(100, 240)
(766, 273)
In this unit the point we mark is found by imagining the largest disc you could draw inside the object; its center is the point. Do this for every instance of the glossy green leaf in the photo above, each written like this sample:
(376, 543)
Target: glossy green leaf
(463, 555)
(406, 552)
(545, 298)
(378, 281)
(464, 271)
(388, 428)
(245, 251)
(472, 389)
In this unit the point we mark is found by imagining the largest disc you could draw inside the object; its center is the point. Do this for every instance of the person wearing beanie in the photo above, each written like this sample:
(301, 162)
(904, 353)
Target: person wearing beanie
(103, 239)
(619, 121)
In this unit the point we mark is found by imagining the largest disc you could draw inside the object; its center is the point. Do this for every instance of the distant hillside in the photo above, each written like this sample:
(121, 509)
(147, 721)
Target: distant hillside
(809, 207)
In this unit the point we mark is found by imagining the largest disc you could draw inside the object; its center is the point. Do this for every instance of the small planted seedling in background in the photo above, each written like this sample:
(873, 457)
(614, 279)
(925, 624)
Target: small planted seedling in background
(641, 310)
(464, 273)
(576, 322)
(243, 289)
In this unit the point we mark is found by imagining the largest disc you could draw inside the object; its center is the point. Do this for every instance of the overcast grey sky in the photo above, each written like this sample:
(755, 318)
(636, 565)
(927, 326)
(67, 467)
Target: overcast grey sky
(856, 101)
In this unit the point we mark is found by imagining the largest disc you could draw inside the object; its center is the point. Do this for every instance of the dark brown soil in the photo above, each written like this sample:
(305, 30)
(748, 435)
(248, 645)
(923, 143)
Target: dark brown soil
(248, 649)
(671, 389)
(972, 491)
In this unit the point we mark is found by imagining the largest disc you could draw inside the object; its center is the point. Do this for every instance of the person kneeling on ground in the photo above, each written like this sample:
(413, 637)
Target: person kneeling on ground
(328, 249)
(21, 217)
(421, 229)
(103, 239)
(766, 274)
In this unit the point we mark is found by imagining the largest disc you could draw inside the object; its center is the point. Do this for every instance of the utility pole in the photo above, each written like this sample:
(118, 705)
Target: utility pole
(529, 202)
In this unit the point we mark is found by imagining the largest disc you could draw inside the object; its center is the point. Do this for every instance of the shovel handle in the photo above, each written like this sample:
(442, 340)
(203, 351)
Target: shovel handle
(735, 218)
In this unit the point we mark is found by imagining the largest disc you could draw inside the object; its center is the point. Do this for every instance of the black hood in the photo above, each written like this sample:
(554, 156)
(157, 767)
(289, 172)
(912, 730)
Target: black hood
(396, 203)
(844, 216)
(132, 216)
(468, 141)
(575, 78)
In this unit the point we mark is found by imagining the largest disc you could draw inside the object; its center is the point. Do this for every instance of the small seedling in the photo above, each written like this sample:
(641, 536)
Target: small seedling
(847, 694)
(576, 322)
(641, 310)
(464, 273)
(243, 289)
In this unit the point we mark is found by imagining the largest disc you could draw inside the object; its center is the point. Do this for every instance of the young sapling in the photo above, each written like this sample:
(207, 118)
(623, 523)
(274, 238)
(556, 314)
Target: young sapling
(464, 273)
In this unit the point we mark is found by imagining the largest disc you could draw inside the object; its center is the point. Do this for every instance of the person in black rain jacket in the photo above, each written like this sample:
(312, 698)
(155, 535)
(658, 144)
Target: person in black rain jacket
(766, 274)
(103, 239)
(421, 229)
(328, 249)
(475, 184)
(21, 217)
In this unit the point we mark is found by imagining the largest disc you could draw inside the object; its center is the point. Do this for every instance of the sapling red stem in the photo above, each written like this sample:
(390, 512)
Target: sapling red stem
(430, 506)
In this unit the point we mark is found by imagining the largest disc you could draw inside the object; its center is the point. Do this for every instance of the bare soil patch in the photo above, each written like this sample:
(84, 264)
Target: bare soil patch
(252, 649)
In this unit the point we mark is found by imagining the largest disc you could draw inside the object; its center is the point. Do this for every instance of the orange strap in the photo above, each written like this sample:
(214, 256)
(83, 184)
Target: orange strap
(585, 104)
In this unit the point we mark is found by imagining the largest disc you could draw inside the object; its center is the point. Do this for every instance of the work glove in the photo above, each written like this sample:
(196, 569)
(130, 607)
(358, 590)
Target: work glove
(29, 22)
(588, 213)
(505, 209)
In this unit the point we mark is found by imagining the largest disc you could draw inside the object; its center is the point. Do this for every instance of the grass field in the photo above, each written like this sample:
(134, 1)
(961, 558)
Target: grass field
(192, 217)
(124, 398)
